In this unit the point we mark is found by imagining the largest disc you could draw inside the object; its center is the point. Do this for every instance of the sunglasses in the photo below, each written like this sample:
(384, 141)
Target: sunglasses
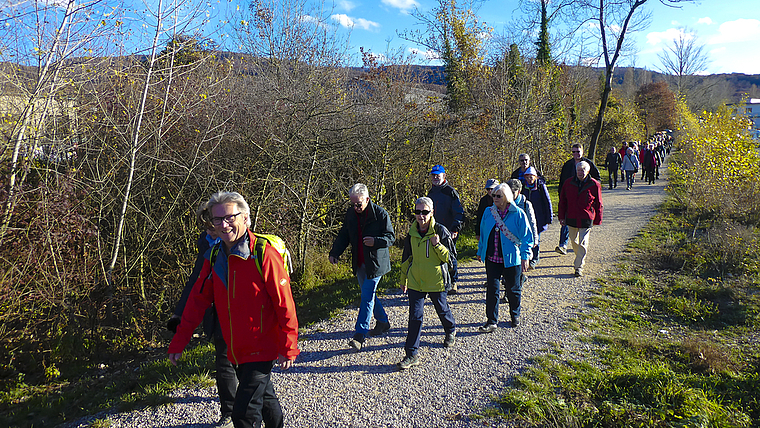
(422, 212)
(496, 195)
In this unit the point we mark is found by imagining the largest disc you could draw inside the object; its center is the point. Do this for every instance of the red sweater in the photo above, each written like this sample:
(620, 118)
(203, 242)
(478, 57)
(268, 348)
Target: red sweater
(257, 317)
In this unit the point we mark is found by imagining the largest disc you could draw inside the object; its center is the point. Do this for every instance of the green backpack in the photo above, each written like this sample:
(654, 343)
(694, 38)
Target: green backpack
(258, 253)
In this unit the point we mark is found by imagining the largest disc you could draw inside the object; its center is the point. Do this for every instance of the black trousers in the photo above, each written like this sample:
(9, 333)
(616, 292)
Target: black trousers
(255, 399)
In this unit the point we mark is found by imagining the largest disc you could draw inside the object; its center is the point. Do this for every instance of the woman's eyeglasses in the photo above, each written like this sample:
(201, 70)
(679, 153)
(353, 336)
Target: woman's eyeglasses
(423, 212)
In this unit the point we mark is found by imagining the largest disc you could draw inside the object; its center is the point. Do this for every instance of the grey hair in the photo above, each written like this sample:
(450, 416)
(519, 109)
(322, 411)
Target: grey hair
(202, 217)
(221, 198)
(424, 201)
(523, 155)
(583, 164)
(358, 189)
(506, 191)
(515, 185)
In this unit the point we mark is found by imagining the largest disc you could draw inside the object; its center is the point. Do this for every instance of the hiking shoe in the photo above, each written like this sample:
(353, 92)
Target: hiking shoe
(408, 361)
(487, 328)
(357, 342)
(578, 272)
(224, 422)
(380, 328)
(515, 322)
(560, 250)
(450, 339)
(453, 290)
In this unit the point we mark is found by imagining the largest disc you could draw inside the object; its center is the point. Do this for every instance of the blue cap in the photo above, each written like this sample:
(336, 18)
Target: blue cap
(438, 169)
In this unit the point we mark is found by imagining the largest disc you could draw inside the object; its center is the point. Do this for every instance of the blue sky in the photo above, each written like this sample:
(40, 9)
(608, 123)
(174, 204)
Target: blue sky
(729, 29)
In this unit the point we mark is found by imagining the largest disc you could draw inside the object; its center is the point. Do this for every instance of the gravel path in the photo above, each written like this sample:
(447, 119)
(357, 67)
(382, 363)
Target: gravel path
(333, 386)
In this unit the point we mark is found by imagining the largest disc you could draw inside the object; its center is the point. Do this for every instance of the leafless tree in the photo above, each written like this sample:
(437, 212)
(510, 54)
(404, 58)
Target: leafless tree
(684, 58)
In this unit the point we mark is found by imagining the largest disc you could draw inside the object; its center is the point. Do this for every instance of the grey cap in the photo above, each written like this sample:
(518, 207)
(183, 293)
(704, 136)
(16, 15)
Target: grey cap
(491, 183)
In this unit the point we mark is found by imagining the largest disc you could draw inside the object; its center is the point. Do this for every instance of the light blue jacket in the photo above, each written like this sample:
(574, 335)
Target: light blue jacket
(517, 223)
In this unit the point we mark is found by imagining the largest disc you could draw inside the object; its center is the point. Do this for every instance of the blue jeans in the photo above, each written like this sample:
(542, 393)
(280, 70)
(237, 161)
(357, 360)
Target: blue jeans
(370, 304)
(512, 287)
(416, 311)
(535, 249)
(629, 176)
(564, 236)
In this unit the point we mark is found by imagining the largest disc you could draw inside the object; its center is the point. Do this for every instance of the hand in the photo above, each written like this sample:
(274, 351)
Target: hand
(284, 362)
(454, 235)
(562, 222)
(480, 259)
(403, 288)
(369, 241)
(173, 358)
(332, 259)
(435, 239)
(172, 324)
(525, 265)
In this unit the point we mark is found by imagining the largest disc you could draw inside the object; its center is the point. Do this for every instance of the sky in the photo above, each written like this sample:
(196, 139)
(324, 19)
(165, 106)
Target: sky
(728, 29)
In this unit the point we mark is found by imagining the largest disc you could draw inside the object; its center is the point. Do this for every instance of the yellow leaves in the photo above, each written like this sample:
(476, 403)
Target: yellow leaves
(203, 96)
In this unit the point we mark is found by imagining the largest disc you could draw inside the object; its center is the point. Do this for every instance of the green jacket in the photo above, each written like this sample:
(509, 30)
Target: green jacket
(424, 267)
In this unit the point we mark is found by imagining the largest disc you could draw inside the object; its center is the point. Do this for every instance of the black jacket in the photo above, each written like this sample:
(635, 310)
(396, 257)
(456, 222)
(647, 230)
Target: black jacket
(377, 224)
(447, 208)
(485, 202)
(568, 171)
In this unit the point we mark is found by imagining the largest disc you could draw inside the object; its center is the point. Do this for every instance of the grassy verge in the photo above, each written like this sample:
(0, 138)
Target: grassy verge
(673, 338)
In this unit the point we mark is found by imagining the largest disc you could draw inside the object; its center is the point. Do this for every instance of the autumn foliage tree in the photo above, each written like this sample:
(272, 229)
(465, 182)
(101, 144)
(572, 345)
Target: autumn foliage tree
(657, 107)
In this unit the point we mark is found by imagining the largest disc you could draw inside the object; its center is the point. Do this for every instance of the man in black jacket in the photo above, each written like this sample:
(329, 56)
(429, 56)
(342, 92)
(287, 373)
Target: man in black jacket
(368, 229)
(568, 171)
(448, 211)
(613, 163)
(485, 202)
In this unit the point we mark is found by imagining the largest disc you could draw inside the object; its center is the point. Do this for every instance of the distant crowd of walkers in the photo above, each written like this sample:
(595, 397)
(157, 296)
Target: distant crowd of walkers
(240, 285)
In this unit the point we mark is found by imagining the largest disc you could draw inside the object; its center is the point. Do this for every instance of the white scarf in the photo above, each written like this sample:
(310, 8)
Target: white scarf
(503, 227)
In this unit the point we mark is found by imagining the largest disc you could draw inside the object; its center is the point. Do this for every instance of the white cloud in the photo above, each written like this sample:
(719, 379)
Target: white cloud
(706, 20)
(346, 5)
(675, 23)
(350, 22)
(427, 54)
(741, 30)
(403, 5)
(655, 38)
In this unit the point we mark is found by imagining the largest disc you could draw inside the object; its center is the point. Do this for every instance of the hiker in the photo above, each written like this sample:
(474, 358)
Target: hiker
(580, 208)
(505, 247)
(630, 166)
(612, 163)
(226, 380)
(368, 229)
(252, 295)
(537, 193)
(485, 202)
(424, 273)
(448, 212)
(523, 160)
(568, 171)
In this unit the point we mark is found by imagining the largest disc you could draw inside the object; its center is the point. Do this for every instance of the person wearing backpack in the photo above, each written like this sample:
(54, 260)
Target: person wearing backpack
(250, 287)
(226, 380)
(428, 248)
(367, 228)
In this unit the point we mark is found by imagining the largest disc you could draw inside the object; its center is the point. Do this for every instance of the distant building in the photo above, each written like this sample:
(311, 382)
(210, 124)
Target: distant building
(750, 109)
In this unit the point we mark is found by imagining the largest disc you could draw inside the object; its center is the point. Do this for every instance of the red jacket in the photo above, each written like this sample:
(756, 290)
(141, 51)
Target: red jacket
(257, 317)
(580, 203)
